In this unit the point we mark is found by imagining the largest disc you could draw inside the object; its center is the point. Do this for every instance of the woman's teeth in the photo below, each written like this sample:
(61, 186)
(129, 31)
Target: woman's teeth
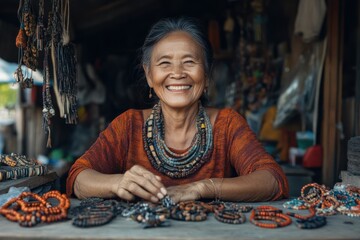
(178, 87)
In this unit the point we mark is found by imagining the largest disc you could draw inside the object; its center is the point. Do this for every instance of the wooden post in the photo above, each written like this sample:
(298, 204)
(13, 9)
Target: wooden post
(357, 83)
(332, 94)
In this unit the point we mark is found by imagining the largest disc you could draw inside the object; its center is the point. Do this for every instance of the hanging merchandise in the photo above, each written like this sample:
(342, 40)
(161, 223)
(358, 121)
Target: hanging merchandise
(48, 109)
(258, 20)
(25, 42)
(63, 54)
(309, 19)
(54, 41)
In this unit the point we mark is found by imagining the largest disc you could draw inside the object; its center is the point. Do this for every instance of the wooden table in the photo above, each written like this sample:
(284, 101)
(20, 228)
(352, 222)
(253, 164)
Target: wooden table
(338, 227)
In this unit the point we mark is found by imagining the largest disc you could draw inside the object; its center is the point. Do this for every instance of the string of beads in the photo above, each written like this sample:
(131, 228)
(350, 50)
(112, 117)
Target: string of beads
(39, 210)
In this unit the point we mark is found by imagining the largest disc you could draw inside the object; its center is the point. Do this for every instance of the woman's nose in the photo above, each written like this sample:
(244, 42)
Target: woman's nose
(178, 71)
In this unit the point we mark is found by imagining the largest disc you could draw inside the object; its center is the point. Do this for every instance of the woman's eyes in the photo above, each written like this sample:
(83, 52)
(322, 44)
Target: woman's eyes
(166, 63)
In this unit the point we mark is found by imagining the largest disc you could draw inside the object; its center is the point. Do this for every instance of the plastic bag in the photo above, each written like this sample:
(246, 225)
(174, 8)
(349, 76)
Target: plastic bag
(297, 100)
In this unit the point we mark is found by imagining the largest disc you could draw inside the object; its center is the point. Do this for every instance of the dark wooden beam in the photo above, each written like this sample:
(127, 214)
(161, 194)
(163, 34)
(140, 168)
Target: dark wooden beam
(357, 83)
(332, 93)
(114, 13)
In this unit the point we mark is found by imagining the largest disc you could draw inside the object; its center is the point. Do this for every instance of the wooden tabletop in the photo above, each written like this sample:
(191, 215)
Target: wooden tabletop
(338, 227)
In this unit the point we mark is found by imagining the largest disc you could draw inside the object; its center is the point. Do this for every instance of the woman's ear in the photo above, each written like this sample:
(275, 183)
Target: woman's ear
(147, 75)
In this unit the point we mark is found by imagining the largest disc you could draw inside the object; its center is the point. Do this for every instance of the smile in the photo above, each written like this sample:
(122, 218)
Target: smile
(178, 88)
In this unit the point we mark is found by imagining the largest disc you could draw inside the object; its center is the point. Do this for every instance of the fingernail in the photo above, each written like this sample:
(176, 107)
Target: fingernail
(154, 199)
(160, 196)
(163, 190)
(158, 178)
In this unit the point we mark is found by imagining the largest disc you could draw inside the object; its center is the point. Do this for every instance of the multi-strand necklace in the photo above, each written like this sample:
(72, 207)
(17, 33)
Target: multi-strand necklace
(168, 162)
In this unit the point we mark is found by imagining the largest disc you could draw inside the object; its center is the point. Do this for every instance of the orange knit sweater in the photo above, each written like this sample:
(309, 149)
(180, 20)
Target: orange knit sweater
(236, 152)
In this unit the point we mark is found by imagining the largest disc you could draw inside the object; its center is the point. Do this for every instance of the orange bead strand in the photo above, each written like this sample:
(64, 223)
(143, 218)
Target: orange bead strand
(29, 214)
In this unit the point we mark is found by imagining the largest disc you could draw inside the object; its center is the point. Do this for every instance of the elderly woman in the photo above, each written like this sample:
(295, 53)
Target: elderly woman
(179, 147)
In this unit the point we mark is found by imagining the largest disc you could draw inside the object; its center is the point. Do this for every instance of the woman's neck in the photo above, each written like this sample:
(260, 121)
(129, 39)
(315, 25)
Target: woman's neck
(180, 125)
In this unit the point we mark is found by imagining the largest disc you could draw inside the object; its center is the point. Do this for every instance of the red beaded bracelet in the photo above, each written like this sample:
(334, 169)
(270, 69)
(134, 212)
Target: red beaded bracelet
(269, 213)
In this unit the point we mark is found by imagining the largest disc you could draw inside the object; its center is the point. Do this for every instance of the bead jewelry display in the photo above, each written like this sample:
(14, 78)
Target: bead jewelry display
(97, 211)
(343, 199)
(152, 215)
(40, 210)
(169, 162)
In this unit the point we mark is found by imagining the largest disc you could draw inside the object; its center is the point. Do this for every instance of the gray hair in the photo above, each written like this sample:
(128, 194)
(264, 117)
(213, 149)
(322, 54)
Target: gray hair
(185, 24)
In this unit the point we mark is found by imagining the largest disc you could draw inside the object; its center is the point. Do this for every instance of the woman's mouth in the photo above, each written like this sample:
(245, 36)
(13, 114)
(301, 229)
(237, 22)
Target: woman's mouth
(178, 88)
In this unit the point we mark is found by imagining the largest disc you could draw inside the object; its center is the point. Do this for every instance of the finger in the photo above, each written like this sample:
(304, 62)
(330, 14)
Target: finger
(137, 190)
(124, 194)
(162, 188)
(149, 186)
(155, 180)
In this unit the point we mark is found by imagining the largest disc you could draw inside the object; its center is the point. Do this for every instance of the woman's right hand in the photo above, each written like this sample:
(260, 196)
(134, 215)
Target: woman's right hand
(139, 182)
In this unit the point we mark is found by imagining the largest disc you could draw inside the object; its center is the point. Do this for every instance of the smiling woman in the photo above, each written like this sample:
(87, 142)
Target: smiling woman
(176, 70)
(180, 147)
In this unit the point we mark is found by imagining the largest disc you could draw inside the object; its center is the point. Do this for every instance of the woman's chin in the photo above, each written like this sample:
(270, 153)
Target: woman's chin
(179, 102)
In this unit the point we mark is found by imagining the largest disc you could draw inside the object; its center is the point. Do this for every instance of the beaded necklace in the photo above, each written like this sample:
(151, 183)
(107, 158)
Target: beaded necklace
(169, 162)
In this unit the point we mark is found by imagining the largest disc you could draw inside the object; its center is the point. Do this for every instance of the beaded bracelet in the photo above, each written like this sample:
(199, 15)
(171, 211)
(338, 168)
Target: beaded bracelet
(310, 215)
(91, 219)
(229, 216)
(189, 211)
(296, 204)
(350, 213)
(269, 213)
(314, 195)
(152, 217)
(311, 223)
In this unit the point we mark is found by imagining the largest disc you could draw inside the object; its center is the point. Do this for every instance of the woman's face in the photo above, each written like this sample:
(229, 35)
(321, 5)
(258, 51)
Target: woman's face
(176, 71)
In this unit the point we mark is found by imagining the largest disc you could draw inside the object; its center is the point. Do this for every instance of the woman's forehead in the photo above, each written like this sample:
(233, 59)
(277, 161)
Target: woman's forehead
(177, 42)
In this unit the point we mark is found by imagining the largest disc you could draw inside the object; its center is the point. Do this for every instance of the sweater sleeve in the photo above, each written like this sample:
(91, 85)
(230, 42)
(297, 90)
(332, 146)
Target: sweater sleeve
(247, 155)
(107, 154)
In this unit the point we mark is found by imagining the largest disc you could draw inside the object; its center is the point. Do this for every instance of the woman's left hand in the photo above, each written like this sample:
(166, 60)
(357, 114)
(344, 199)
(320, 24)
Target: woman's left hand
(186, 192)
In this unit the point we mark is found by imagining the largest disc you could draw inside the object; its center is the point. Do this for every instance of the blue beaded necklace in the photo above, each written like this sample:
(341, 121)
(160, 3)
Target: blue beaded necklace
(170, 163)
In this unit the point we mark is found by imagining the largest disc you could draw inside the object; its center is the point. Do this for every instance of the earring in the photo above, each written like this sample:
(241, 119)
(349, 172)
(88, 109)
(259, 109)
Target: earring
(150, 94)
